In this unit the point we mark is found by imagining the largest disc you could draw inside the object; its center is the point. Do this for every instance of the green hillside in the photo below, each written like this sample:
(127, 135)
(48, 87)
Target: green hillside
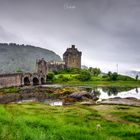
(14, 57)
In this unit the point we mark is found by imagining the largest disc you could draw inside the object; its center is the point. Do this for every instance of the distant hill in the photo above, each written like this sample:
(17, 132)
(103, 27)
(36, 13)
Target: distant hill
(14, 57)
(133, 73)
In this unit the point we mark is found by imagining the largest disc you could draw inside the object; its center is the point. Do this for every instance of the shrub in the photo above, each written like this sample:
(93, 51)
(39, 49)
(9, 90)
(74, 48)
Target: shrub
(50, 76)
(60, 76)
(65, 79)
(105, 76)
(112, 76)
(68, 71)
(19, 70)
(84, 75)
(94, 71)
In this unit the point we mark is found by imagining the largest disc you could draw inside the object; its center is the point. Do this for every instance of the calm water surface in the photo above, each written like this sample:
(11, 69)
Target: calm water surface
(112, 92)
(100, 92)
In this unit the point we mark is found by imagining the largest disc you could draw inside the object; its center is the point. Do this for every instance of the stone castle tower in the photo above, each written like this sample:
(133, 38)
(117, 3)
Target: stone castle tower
(72, 57)
(42, 66)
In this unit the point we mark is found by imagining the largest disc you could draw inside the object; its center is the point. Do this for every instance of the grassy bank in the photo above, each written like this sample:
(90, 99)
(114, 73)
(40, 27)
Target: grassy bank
(70, 79)
(33, 121)
(102, 83)
(9, 90)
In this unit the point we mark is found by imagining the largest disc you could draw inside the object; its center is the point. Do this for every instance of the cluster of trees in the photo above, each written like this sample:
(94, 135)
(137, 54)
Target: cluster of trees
(14, 44)
(87, 74)
(82, 74)
(50, 76)
(112, 76)
(67, 71)
(92, 71)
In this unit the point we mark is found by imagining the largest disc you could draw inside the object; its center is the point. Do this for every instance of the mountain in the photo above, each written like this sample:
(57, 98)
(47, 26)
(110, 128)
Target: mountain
(14, 57)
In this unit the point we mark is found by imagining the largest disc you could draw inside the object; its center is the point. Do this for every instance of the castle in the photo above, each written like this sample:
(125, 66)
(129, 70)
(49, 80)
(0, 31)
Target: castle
(71, 59)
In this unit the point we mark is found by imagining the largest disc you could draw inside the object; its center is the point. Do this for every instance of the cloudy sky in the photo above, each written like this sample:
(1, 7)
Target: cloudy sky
(106, 31)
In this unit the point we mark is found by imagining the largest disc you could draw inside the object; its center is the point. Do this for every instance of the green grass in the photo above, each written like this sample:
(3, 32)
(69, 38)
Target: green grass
(34, 121)
(9, 90)
(70, 79)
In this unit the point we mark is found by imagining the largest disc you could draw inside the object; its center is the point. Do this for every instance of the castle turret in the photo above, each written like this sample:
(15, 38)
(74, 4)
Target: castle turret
(72, 57)
(42, 67)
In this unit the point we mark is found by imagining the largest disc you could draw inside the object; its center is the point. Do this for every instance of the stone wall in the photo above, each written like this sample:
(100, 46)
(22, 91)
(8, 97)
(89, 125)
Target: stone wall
(8, 80)
(43, 67)
(21, 79)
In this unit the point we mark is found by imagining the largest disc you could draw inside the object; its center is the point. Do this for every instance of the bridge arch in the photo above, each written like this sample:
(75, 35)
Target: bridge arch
(35, 81)
(26, 81)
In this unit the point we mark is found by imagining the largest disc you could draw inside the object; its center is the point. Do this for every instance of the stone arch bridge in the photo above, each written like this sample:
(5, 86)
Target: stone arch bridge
(33, 79)
(22, 79)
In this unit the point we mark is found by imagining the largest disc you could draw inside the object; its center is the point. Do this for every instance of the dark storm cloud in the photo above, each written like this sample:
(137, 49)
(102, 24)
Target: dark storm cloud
(107, 31)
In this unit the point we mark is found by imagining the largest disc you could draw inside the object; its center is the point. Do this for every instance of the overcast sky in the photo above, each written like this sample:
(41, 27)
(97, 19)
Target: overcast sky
(106, 31)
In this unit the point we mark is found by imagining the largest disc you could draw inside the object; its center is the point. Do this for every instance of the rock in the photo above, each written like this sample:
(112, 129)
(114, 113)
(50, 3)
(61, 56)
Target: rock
(94, 95)
(80, 95)
(95, 98)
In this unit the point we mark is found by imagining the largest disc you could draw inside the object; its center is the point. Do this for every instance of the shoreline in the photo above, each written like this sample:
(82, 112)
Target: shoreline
(69, 94)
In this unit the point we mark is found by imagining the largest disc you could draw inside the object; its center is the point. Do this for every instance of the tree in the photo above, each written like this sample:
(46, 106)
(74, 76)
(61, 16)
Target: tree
(50, 76)
(112, 76)
(137, 77)
(94, 71)
(84, 75)
(19, 70)
(109, 74)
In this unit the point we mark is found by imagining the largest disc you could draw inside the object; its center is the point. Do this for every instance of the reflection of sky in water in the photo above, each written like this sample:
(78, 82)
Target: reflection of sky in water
(53, 102)
(56, 103)
(124, 94)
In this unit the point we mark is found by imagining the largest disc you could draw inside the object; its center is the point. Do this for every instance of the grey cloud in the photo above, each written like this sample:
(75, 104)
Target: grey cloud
(6, 36)
(107, 31)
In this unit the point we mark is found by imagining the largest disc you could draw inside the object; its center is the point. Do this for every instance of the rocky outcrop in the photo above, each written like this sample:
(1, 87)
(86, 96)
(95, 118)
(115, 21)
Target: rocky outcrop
(83, 95)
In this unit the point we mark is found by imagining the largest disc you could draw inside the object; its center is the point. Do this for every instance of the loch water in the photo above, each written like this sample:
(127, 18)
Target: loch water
(113, 92)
